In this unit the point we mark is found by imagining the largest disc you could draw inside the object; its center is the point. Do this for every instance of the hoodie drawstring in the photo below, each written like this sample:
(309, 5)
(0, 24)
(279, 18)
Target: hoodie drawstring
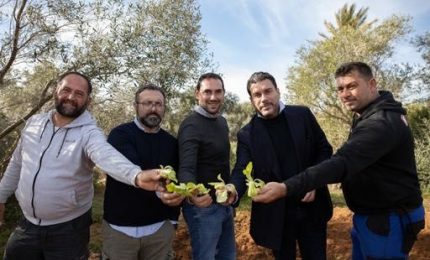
(62, 142)
(43, 130)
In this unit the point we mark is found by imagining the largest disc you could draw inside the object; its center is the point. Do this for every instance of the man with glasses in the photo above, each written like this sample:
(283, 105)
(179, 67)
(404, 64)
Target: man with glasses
(139, 224)
(376, 167)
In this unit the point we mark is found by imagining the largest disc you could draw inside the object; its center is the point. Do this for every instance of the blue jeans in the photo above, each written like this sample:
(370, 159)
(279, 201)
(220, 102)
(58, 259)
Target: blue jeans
(389, 236)
(212, 231)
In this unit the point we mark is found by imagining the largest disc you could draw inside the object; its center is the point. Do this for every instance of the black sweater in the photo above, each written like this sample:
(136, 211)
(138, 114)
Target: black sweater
(376, 165)
(204, 149)
(283, 145)
(125, 205)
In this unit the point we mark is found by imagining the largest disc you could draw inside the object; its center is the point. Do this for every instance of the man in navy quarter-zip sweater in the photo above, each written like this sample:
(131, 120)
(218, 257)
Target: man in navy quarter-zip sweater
(139, 224)
(51, 174)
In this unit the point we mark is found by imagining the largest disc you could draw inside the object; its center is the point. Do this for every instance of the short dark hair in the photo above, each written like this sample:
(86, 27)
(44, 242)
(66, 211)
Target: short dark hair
(148, 86)
(258, 77)
(346, 68)
(209, 75)
(62, 76)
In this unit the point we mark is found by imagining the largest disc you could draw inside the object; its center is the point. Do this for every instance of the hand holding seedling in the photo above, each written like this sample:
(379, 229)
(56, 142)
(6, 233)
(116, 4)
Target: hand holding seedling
(171, 199)
(224, 191)
(271, 192)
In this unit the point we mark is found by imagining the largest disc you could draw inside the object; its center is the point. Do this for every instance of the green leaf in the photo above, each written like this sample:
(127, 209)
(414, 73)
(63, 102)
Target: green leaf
(168, 173)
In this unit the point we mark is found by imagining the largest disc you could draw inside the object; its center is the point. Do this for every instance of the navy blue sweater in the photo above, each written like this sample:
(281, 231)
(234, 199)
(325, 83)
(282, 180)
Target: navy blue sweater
(126, 205)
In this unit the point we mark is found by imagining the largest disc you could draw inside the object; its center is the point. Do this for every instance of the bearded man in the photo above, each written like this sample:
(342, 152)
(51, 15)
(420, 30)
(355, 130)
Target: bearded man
(139, 224)
(51, 171)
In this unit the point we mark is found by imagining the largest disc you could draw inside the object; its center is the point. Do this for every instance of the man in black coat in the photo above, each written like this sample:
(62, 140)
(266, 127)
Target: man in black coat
(281, 141)
(376, 167)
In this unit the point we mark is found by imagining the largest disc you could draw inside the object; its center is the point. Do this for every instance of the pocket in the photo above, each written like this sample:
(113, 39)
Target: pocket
(410, 235)
(379, 224)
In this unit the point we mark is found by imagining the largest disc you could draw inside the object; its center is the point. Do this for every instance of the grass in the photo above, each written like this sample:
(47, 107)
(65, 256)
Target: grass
(337, 198)
(245, 203)
(97, 215)
(12, 215)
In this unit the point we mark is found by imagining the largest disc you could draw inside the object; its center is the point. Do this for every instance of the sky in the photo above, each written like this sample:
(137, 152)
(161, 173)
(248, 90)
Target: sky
(246, 36)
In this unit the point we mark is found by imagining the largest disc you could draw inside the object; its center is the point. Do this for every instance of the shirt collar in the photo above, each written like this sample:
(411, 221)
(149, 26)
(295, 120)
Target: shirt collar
(142, 127)
(205, 113)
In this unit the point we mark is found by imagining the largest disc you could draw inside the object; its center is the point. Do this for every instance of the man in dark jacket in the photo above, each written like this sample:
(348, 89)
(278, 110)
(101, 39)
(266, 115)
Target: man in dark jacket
(281, 141)
(376, 167)
(138, 224)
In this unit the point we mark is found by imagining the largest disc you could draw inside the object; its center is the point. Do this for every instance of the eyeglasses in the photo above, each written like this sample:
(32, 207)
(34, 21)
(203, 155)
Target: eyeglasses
(150, 104)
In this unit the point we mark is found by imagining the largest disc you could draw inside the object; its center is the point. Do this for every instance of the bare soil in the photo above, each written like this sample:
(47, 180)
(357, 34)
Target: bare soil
(338, 240)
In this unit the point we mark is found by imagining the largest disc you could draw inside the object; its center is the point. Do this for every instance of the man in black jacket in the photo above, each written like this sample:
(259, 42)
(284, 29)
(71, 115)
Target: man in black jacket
(376, 167)
(281, 141)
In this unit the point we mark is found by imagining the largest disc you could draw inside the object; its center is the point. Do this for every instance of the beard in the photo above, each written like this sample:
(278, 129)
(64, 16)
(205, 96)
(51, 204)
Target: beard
(67, 111)
(151, 121)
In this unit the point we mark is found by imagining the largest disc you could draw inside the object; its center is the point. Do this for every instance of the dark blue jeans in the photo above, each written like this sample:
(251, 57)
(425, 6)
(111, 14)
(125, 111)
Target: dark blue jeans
(66, 241)
(212, 231)
(310, 236)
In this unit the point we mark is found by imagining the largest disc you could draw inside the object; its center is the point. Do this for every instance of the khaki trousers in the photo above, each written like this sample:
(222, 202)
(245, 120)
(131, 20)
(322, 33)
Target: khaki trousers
(119, 246)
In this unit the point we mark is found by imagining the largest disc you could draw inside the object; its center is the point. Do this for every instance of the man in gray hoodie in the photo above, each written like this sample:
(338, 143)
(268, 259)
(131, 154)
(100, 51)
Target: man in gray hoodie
(51, 174)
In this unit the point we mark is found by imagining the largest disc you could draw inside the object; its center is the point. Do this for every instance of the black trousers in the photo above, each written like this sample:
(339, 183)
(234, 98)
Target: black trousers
(66, 241)
(301, 229)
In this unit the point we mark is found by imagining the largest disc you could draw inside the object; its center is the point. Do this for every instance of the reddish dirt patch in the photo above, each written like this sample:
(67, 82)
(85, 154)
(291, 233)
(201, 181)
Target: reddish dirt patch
(338, 241)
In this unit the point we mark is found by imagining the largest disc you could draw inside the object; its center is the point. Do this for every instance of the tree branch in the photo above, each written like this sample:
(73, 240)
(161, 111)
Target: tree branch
(14, 50)
(43, 99)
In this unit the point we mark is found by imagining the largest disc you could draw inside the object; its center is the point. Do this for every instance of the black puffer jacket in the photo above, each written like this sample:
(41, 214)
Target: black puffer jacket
(376, 165)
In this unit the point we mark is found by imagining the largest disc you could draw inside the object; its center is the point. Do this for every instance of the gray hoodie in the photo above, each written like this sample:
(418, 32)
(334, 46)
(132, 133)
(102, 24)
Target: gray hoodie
(51, 169)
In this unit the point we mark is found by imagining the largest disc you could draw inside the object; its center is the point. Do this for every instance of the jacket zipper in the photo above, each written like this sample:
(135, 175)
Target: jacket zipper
(38, 170)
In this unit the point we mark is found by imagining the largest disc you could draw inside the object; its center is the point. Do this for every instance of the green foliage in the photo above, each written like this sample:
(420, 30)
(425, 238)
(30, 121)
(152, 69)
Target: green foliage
(245, 203)
(337, 198)
(237, 115)
(419, 121)
(95, 244)
(422, 155)
(348, 17)
(119, 44)
(418, 115)
(310, 80)
(12, 215)
(423, 44)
